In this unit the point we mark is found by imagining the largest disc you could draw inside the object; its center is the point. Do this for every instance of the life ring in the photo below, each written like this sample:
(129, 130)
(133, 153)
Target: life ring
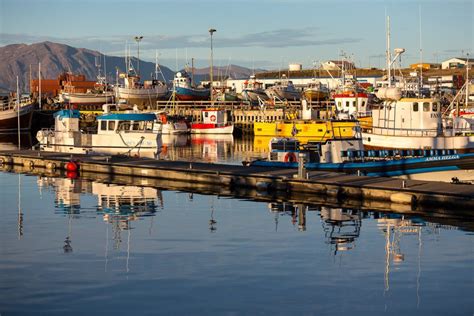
(290, 157)
(213, 118)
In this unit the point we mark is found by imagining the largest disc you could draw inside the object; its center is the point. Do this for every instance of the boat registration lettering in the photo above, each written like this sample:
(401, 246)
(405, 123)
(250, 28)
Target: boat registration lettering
(439, 158)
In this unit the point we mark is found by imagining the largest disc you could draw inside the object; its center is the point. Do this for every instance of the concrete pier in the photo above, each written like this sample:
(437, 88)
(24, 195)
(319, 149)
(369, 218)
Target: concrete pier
(411, 194)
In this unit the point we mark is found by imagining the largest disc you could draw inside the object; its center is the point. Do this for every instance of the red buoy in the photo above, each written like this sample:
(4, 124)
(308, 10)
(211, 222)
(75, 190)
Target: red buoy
(71, 174)
(71, 166)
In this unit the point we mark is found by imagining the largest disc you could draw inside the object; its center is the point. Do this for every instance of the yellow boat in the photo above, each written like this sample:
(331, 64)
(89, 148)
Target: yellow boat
(316, 130)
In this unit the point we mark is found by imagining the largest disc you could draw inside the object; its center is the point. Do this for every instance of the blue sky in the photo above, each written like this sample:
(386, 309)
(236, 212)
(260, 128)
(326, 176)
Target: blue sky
(260, 33)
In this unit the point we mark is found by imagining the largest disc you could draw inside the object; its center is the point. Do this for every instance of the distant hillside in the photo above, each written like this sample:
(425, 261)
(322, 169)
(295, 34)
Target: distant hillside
(57, 58)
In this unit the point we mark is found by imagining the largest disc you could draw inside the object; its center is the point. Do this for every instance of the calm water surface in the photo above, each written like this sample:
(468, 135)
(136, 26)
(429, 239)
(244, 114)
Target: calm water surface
(89, 247)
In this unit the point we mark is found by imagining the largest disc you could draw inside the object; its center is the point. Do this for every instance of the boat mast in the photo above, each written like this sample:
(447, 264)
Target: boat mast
(467, 80)
(39, 84)
(389, 66)
(18, 110)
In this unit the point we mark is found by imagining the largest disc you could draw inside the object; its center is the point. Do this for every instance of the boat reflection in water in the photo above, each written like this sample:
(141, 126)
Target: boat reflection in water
(10, 141)
(341, 227)
(119, 205)
(212, 147)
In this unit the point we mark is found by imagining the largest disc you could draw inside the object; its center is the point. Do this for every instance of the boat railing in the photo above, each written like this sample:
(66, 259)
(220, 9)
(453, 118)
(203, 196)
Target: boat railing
(449, 131)
(12, 103)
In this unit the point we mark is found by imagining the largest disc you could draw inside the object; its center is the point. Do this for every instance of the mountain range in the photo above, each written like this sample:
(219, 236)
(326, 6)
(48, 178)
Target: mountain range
(23, 60)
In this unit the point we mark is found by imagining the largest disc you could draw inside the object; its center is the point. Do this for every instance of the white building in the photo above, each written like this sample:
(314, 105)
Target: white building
(457, 62)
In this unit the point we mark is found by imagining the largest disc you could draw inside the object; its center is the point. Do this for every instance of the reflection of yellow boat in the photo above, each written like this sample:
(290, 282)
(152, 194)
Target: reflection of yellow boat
(316, 130)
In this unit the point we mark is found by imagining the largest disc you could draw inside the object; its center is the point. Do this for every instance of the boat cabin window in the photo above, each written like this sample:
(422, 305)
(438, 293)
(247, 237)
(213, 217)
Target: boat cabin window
(347, 104)
(103, 125)
(363, 103)
(135, 126)
(435, 107)
(124, 126)
(415, 107)
(111, 125)
(148, 125)
(426, 106)
(339, 104)
(206, 114)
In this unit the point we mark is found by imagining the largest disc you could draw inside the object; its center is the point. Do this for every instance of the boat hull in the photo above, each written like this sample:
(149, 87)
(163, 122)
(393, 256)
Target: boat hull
(9, 119)
(186, 94)
(133, 144)
(202, 128)
(79, 99)
(254, 95)
(385, 167)
(142, 97)
(316, 95)
(314, 129)
(460, 143)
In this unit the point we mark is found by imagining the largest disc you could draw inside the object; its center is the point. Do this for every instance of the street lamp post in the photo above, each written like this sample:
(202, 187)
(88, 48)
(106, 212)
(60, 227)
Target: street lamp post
(211, 31)
(138, 39)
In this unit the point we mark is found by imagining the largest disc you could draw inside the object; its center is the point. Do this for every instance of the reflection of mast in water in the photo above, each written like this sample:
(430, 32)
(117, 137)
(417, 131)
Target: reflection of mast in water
(20, 214)
(394, 229)
(341, 227)
(296, 211)
(282, 208)
(120, 206)
(212, 221)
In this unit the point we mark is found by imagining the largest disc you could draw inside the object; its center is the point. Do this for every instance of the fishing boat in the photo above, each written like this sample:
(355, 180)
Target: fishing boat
(283, 90)
(96, 96)
(131, 134)
(408, 120)
(315, 129)
(253, 90)
(14, 110)
(214, 121)
(185, 91)
(353, 101)
(172, 124)
(79, 100)
(316, 91)
(142, 95)
(350, 156)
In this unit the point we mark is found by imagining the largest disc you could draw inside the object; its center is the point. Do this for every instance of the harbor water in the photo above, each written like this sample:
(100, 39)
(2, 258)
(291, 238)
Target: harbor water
(88, 246)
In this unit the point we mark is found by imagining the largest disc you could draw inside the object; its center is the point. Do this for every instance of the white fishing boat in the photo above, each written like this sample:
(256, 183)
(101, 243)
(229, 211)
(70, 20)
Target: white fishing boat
(283, 90)
(253, 90)
(130, 134)
(214, 121)
(146, 94)
(406, 122)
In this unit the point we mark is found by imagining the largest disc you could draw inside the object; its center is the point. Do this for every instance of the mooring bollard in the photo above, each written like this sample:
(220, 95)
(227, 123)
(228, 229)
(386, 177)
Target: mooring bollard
(301, 168)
